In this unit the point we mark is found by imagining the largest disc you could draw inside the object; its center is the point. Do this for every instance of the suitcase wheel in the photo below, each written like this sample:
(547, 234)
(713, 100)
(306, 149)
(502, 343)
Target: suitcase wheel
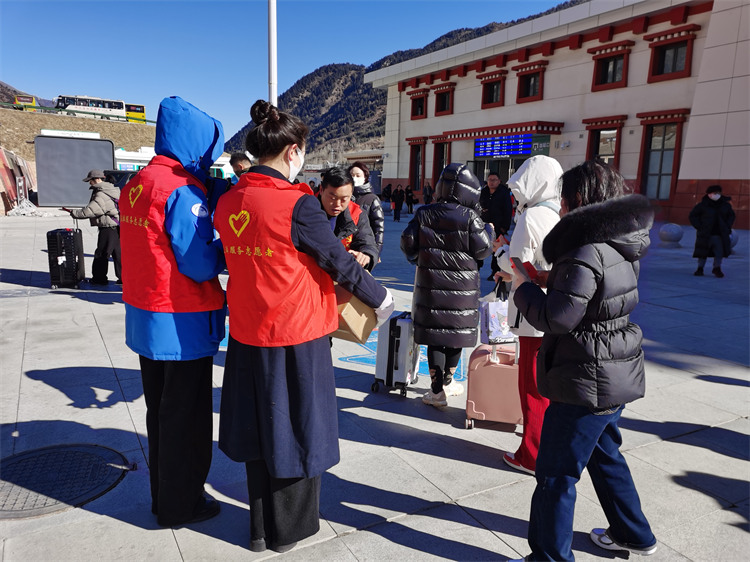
(53, 287)
(375, 386)
(403, 391)
(469, 423)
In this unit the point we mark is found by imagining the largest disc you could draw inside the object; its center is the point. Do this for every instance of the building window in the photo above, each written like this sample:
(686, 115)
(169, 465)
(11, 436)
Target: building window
(671, 53)
(441, 158)
(493, 88)
(419, 107)
(530, 81)
(443, 98)
(605, 135)
(529, 85)
(671, 58)
(492, 94)
(416, 162)
(603, 145)
(611, 65)
(659, 159)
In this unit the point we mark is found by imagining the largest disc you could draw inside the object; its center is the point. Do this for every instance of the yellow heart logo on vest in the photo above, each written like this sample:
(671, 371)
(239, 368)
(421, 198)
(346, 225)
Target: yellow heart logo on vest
(239, 221)
(135, 193)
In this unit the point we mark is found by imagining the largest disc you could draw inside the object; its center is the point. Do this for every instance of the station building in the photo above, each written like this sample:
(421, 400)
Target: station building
(659, 88)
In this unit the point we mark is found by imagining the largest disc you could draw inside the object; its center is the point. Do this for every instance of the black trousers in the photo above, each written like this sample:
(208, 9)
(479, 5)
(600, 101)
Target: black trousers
(442, 361)
(282, 510)
(107, 245)
(179, 421)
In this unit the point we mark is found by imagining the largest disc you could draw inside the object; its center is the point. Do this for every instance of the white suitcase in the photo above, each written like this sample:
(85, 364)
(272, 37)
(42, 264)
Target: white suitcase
(397, 357)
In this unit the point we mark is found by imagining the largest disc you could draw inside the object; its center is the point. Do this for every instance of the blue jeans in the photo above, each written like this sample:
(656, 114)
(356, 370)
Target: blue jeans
(574, 438)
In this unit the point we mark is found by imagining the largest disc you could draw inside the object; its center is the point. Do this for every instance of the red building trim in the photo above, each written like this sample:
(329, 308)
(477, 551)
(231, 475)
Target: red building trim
(533, 127)
(637, 26)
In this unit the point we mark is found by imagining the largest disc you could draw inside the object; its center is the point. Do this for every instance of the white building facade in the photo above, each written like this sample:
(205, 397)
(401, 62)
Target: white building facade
(659, 88)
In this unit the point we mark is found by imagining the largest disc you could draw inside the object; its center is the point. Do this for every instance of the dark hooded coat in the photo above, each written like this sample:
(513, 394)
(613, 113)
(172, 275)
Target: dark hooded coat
(591, 352)
(373, 210)
(445, 240)
(712, 217)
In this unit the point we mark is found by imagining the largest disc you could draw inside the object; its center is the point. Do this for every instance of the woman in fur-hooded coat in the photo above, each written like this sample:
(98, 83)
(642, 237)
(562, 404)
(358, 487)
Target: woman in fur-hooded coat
(590, 363)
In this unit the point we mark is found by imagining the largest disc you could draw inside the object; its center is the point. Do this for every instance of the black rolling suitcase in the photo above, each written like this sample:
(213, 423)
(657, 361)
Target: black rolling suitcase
(65, 253)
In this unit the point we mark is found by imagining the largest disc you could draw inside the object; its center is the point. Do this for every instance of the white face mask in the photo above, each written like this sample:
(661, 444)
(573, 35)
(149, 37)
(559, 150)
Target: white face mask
(358, 180)
(714, 196)
(294, 170)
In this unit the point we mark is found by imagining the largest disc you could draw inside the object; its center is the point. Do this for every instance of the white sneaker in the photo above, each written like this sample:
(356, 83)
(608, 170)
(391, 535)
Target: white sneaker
(453, 389)
(433, 399)
(601, 538)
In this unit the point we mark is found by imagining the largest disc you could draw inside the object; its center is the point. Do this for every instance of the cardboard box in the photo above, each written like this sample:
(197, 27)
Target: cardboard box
(356, 319)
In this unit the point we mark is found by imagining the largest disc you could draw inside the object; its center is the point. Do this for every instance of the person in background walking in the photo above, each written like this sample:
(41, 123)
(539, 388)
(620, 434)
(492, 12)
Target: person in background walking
(102, 212)
(369, 202)
(398, 202)
(278, 399)
(535, 187)
(386, 193)
(427, 193)
(712, 218)
(240, 163)
(445, 240)
(409, 200)
(174, 306)
(497, 209)
(590, 362)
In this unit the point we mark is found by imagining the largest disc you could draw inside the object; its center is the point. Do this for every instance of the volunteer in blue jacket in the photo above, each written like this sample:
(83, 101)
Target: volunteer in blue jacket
(278, 400)
(175, 306)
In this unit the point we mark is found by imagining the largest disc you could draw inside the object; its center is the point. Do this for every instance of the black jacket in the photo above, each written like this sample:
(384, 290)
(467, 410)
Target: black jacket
(712, 217)
(497, 208)
(445, 240)
(591, 353)
(371, 207)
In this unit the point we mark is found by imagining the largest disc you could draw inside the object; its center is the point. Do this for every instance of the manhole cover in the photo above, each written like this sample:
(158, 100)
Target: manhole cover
(54, 478)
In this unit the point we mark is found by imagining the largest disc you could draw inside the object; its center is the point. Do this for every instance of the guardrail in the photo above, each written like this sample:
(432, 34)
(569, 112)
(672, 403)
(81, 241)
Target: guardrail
(71, 112)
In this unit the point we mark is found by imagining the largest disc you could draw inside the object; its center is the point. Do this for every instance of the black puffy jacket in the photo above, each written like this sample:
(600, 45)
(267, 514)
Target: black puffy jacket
(445, 240)
(371, 207)
(591, 352)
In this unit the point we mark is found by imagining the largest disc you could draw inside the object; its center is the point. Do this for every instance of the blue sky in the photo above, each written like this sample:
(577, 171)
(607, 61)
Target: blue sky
(214, 53)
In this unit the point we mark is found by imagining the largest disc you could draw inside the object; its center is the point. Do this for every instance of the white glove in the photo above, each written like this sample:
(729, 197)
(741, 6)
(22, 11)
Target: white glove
(383, 312)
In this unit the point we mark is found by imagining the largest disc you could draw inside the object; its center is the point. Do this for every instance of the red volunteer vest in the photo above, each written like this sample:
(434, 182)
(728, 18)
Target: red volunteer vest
(354, 210)
(277, 295)
(150, 277)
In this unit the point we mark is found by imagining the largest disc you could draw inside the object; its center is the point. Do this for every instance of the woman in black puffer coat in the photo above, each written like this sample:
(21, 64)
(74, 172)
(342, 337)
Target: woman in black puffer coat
(590, 362)
(445, 240)
(369, 202)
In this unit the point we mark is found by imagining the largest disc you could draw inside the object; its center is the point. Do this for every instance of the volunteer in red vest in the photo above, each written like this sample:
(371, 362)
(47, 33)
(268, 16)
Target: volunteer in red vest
(278, 403)
(348, 222)
(175, 306)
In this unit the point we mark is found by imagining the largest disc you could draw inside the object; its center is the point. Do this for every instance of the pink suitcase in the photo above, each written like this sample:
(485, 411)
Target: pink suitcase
(492, 386)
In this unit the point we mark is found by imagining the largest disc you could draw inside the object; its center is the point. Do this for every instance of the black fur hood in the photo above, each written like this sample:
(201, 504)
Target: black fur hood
(623, 223)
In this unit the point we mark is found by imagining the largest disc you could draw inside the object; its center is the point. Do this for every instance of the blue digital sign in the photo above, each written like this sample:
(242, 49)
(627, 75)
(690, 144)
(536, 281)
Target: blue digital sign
(499, 147)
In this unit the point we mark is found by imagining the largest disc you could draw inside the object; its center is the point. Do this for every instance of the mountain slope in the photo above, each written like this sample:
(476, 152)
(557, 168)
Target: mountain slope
(342, 112)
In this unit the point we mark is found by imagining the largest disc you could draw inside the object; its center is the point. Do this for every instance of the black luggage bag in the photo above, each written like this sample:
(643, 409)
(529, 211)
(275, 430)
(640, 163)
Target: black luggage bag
(65, 253)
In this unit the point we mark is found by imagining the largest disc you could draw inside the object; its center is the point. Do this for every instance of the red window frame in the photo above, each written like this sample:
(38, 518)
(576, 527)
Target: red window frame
(670, 117)
(660, 41)
(420, 144)
(415, 96)
(593, 126)
(602, 54)
(443, 89)
(493, 78)
(439, 144)
(523, 73)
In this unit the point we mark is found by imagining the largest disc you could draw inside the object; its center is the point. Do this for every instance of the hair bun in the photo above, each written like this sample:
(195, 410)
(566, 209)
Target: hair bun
(263, 111)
